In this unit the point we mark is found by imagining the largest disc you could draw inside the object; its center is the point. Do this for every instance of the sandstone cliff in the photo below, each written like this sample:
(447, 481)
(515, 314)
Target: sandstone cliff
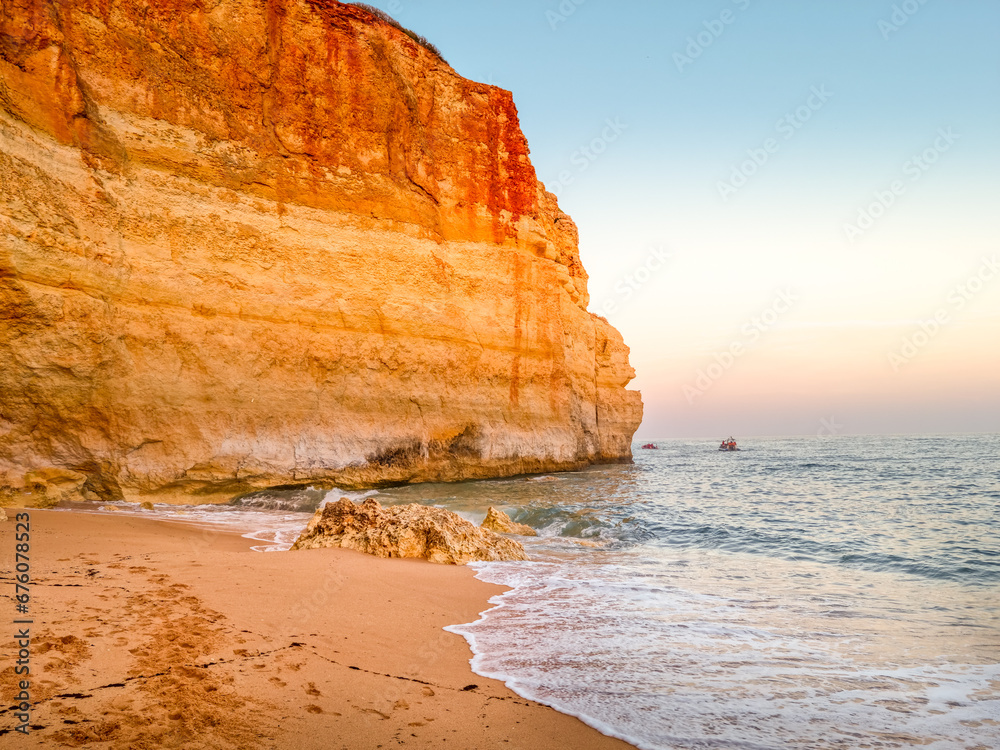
(250, 243)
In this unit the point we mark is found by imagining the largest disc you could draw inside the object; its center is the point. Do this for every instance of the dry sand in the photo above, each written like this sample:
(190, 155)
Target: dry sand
(148, 634)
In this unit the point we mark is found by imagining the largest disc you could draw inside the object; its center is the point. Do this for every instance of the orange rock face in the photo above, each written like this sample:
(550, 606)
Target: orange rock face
(255, 243)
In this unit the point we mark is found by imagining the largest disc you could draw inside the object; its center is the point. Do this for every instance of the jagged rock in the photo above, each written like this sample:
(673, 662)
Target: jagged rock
(497, 520)
(246, 244)
(109, 507)
(420, 531)
(146, 505)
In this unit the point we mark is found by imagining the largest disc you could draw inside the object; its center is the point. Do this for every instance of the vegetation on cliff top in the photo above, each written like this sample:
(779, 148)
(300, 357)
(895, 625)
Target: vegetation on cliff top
(421, 40)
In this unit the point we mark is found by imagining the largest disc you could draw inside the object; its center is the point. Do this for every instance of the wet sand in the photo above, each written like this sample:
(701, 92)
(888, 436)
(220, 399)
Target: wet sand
(148, 634)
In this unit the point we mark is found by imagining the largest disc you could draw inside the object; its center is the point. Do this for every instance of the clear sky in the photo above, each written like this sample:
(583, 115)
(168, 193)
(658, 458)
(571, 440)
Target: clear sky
(790, 208)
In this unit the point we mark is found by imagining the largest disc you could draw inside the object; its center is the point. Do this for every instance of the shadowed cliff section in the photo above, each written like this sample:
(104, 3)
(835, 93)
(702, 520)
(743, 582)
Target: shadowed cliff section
(247, 244)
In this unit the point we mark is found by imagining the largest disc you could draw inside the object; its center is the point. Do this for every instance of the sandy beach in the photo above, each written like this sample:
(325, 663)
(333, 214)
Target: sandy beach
(147, 634)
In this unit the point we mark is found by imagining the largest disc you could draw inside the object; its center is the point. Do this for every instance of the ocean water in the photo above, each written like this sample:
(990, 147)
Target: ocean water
(801, 593)
(816, 593)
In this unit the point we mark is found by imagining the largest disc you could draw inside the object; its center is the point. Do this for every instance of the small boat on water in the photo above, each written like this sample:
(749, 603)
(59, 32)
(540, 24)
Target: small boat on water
(728, 445)
(650, 447)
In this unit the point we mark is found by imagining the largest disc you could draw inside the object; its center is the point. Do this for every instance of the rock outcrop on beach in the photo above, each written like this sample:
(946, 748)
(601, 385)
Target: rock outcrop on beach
(260, 243)
(497, 520)
(419, 531)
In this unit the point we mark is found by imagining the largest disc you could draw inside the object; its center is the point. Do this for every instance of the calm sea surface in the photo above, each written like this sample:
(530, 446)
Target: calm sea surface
(801, 593)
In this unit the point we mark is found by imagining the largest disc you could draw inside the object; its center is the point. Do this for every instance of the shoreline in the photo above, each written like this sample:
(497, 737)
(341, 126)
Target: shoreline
(148, 633)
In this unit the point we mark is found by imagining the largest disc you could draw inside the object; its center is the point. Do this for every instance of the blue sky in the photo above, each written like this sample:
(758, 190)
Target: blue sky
(843, 154)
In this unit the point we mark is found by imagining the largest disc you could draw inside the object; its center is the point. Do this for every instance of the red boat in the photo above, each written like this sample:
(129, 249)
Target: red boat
(728, 445)
(650, 446)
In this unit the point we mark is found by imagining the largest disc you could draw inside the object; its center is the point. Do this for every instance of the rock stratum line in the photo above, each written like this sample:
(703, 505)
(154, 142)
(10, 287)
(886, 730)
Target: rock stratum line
(256, 243)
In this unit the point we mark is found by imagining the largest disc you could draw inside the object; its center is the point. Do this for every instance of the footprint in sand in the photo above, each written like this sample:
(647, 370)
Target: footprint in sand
(102, 731)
